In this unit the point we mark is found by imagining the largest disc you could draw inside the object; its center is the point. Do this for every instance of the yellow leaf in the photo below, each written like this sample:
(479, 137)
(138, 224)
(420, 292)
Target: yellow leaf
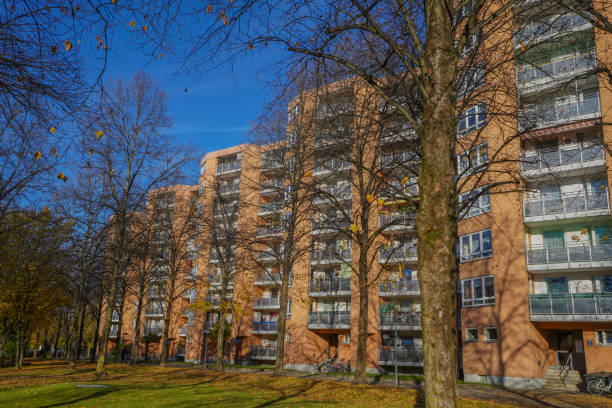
(160, 55)
(68, 45)
(250, 47)
(114, 1)
(354, 228)
(37, 155)
(52, 152)
(61, 176)
(405, 180)
(584, 231)
(381, 201)
(208, 9)
(52, 130)
(132, 24)
(112, 172)
(55, 195)
(91, 152)
(54, 49)
(604, 238)
(99, 134)
(603, 187)
(56, 156)
(144, 28)
(370, 198)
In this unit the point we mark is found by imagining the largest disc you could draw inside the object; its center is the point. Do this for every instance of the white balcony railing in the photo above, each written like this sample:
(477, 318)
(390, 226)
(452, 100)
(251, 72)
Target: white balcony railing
(271, 231)
(227, 189)
(263, 353)
(263, 327)
(400, 287)
(330, 256)
(571, 307)
(548, 160)
(153, 330)
(229, 167)
(399, 321)
(329, 225)
(566, 67)
(550, 113)
(555, 26)
(403, 253)
(570, 256)
(329, 287)
(399, 220)
(329, 320)
(574, 205)
(266, 303)
(388, 356)
(334, 164)
(270, 208)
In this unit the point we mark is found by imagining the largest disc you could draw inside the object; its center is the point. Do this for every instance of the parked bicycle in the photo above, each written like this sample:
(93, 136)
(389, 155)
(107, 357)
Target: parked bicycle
(599, 383)
(332, 365)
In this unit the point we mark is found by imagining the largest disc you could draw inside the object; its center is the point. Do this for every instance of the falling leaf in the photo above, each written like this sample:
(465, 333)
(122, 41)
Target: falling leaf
(47, 8)
(99, 134)
(52, 130)
(62, 177)
(91, 152)
(52, 152)
(54, 49)
(354, 228)
(144, 28)
(370, 198)
(56, 156)
(208, 9)
(132, 24)
(68, 45)
(381, 201)
(37, 155)
(160, 55)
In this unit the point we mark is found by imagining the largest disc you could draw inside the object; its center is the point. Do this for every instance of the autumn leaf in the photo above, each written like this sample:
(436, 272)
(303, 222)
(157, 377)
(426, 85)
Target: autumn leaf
(111, 172)
(91, 152)
(54, 49)
(354, 228)
(132, 24)
(62, 177)
(56, 156)
(584, 231)
(144, 28)
(114, 1)
(381, 201)
(52, 130)
(160, 55)
(370, 198)
(99, 134)
(37, 155)
(52, 152)
(250, 47)
(208, 9)
(68, 45)
(55, 195)
(405, 180)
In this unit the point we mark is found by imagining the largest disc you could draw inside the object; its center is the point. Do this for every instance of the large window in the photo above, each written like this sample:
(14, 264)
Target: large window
(606, 283)
(478, 291)
(480, 202)
(472, 160)
(472, 119)
(475, 246)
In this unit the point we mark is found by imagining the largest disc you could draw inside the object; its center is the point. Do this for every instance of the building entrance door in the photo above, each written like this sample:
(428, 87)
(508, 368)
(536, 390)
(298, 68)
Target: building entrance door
(569, 343)
(332, 344)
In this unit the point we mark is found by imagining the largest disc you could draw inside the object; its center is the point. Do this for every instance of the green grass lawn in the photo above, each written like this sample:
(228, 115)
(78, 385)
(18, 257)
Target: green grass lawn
(55, 384)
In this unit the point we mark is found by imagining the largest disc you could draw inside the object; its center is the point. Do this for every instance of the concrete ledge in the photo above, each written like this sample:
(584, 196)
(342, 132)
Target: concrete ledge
(509, 382)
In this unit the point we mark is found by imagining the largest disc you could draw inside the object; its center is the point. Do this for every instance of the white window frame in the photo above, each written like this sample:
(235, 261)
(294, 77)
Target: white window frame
(467, 336)
(605, 339)
(482, 300)
(475, 256)
(480, 205)
(478, 112)
(478, 154)
(486, 334)
(293, 113)
(288, 311)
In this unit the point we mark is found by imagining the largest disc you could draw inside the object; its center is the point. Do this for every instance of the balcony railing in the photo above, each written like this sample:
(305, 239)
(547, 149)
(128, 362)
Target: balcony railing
(333, 164)
(548, 113)
(330, 256)
(329, 287)
(536, 31)
(114, 332)
(229, 167)
(272, 186)
(567, 204)
(272, 164)
(402, 287)
(397, 159)
(329, 224)
(216, 280)
(263, 327)
(339, 192)
(540, 73)
(190, 294)
(401, 321)
(269, 208)
(154, 312)
(229, 189)
(263, 353)
(397, 133)
(404, 253)
(329, 320)
(399, 190)
(570, 256)
(401, 220)
(115, 317)
(267, 279)
(329, 109)
(404, 357)
(557, 159)
(571, 306)
(153, 330)
(266, 303)
(271, 231)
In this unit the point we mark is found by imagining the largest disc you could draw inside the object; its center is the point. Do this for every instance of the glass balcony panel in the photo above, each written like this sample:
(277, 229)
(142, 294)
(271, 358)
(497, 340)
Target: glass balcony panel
(560, 304)
(579, 253)
(575, 203)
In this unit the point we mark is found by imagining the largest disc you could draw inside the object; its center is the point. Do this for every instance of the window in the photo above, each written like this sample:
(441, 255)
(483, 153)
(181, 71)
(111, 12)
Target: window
(203, 168)
(346, 339)
(288, 338)
(480, 202)
(293, 113)
(606, 283)
(472, 43)
(603, 338)
(491, 334)
(472, 78)
(288, 312)
(471, 335)
(472, 160)
(475, 246)
(472, 119)
(478, 291)
(557, 285)
(464, 12)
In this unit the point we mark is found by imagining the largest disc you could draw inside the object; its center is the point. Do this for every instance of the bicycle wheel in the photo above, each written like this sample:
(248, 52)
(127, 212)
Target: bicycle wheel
(595, 387)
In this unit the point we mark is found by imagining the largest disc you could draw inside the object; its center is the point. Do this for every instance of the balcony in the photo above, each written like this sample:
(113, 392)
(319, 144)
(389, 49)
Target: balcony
(329, 226)
(115, 318)
(263, 353)
(399, 159)
(575, 256)
(269, 232)
(230, 167)
(399, 191)
(272, 187)
(397, 133)
(272, 164)
(549, 113)
(329, 287)
(578, 161)
(190, 294)
(331, 166)
(574, 307)
(402, 287)
(405, 358)
(566, 207)
(400, 221)
(154, 312)
(216, 280)
(182, 332)
(332, 256)
(399, 321)
(404, 253)
(267, 279)
(266, 303)
(338, 137)
(331, 194)
(333, 108)
(229, 189)
(329, 320)
(263, 328)
(270, 208)
(553, 27)
(534, 77)
(214, 256)
(153, 330)
(114, 332)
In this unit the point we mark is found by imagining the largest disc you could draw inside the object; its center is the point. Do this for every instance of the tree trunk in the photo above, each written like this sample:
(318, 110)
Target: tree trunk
(57, 337)
(281, 323)
(362, 322)
(81, 328)
(94, 346)
(436, 219)
(17, 349)
(136, 343)
(108, 317)
(220, 342)
(164, 339)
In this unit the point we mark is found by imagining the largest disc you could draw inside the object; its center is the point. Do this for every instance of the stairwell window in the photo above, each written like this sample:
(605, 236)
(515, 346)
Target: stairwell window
(475, 246)
(490, 334)
(478, 291)
(603, 338)
(288, 312)
(472, 119)
(479, 202)
(473, 160)
(471, 335)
